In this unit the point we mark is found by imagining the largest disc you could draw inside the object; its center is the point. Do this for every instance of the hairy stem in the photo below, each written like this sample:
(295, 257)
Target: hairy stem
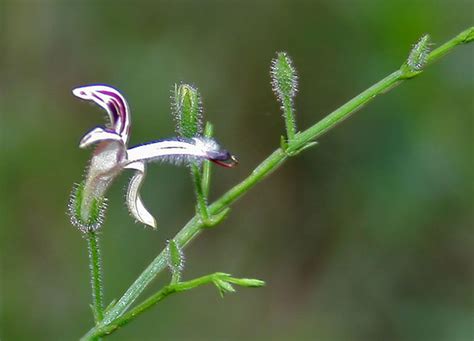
(290, 119)
(96, 276)
(155, 298)
(124, 319)
(193, 228)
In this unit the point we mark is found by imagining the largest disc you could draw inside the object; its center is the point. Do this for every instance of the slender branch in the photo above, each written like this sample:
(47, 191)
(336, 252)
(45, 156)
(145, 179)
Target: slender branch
(96, 275)
(221, 280)
(193, 228)
(345, 111)
(202, 180)
(464, 37)
(127, 317)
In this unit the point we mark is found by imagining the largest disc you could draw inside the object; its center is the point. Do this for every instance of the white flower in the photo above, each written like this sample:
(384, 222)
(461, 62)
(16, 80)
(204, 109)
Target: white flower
(111, 156)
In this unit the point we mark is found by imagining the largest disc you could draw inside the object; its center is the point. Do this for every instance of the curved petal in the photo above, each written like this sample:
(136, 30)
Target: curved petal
(134, 202)
(176, 150)
(99, 134)
(111, 101)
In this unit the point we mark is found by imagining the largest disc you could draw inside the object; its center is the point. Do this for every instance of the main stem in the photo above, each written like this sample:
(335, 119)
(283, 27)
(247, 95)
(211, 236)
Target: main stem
(194, 227)
(96, 276)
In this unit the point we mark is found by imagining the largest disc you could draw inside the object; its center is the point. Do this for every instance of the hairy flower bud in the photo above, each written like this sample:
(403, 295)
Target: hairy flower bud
(284, 78)
(419, 53)
(187, 110)
(285, 85)
(91, 220)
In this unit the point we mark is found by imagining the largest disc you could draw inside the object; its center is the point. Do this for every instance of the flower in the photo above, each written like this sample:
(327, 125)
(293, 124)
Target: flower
(111, 156)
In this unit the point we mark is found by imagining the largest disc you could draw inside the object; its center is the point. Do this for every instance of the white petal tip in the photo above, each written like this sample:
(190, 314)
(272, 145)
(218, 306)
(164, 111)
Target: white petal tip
(134, 202)
(141, 215)
(150, 221)
(80, 93)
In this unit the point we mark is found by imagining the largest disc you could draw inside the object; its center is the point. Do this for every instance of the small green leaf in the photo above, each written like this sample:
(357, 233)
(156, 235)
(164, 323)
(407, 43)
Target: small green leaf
(224, 282)
(419, 54)
(247, 282)
(293, 152)
(175, 259)
(223, 286)
(187, 110)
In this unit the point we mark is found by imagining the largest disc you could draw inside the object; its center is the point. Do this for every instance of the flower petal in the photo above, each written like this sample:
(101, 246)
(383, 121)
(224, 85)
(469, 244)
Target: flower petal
(99, 134)
(178, 150)
(134, 202)
(113, 102)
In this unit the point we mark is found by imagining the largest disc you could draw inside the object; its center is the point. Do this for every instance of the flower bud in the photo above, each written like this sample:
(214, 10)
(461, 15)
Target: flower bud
(187, 110)
(285, 86)
(224, 282)
(91, 220)
(284, 78)
(419, 54)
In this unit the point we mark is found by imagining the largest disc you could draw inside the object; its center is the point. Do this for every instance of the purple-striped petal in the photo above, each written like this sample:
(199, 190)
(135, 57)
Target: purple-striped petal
(111, 101)
(134, 202)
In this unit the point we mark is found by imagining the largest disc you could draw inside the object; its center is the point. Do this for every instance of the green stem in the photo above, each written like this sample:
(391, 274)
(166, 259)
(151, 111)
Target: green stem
(464, 37)
(193, 228)
(345, 111)
(290, 123)
(201, 199)
(150, 302)
(96, 276)
(175, 277)
(206, 167)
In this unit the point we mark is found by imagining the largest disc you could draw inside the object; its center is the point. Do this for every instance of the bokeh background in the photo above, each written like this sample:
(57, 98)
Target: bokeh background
(369, 236)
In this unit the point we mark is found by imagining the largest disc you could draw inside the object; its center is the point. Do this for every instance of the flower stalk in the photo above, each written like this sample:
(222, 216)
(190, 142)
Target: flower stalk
(95, 267)
(187, 110)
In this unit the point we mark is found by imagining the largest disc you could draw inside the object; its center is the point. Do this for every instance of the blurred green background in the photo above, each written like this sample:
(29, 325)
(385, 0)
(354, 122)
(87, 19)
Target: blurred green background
(366, 237)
